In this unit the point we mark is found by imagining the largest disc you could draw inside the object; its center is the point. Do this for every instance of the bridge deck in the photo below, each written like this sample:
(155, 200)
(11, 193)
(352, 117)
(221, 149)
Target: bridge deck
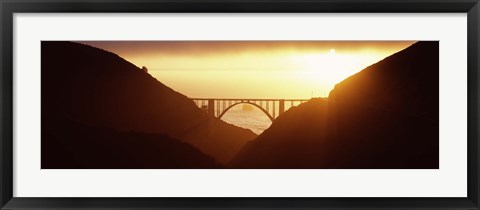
(249, 99)
(271, 107)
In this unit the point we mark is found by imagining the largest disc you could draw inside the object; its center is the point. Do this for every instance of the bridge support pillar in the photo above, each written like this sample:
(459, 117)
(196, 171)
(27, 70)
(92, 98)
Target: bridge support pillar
(281, 107)
(211, 107)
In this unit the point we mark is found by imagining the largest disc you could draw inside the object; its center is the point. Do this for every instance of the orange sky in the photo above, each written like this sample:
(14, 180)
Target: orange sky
(252, 69)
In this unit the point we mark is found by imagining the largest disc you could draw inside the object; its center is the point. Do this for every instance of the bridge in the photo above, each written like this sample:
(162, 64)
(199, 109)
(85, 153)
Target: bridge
(271, 107)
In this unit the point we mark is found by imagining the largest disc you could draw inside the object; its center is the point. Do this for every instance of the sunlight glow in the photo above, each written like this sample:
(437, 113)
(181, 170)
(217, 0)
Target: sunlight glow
(253, 69)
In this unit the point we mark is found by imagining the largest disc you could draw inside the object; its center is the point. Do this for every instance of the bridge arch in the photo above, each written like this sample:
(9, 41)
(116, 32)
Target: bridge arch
(246, 102)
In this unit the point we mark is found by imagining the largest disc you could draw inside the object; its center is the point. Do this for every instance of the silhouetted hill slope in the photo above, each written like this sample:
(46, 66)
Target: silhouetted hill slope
(95, 87)
(385, 116)
(70, 145)
(406, 82)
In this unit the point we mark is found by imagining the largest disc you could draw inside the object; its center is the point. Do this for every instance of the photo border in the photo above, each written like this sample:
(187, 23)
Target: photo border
(9, 7)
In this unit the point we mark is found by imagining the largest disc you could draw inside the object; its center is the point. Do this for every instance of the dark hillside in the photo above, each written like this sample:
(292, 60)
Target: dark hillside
(98, 88)
(385, 116)
(70, 145)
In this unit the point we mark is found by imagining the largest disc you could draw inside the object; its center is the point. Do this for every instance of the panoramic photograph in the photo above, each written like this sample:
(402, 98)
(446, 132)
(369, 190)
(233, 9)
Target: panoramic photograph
(240, 104)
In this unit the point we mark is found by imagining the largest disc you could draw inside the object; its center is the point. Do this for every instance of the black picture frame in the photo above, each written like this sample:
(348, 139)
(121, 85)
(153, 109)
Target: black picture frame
(9, 7)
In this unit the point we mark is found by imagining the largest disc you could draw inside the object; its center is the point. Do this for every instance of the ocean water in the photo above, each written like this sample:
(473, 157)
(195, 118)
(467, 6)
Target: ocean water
(248, 116)
(252, 119)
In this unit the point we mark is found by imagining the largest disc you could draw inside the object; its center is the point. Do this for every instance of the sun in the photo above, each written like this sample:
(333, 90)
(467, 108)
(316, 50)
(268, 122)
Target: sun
(332, 51)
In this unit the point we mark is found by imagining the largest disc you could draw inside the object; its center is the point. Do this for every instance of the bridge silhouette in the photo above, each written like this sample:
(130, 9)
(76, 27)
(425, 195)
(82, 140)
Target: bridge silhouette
(271, 107)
